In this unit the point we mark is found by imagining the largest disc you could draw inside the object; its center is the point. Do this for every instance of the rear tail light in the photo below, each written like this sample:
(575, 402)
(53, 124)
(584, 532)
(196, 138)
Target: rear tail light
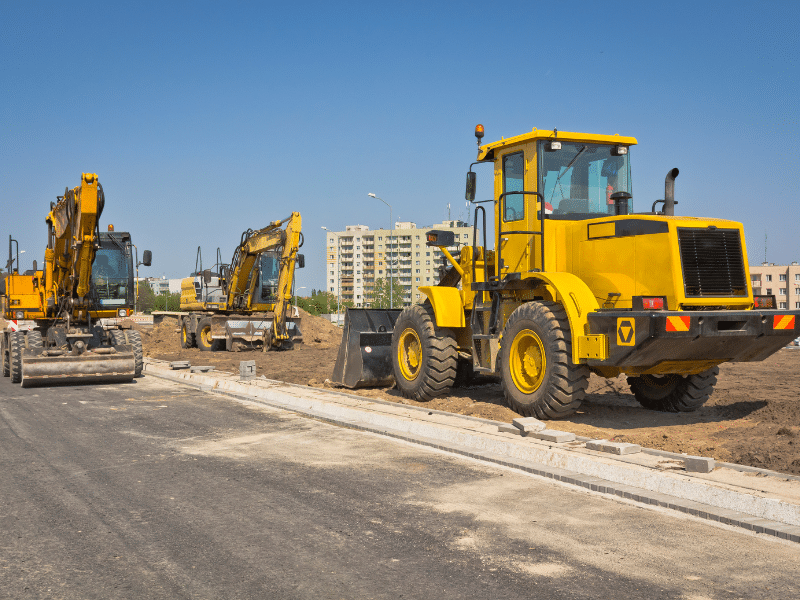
(763, 301)
(649, 302)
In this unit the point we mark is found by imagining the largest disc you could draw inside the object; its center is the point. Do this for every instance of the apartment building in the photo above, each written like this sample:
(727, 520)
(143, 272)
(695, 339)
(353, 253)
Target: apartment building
(782, 281)
(358, 256)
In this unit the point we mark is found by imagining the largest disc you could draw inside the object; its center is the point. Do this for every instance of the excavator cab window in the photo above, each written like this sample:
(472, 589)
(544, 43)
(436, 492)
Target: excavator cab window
(514, 181)
(578, 179)
(110, 277)
(270, 272)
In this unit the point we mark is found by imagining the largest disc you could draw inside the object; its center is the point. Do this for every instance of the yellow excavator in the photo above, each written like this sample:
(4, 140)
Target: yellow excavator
(246, 303)
(576, 283)
(68, 322)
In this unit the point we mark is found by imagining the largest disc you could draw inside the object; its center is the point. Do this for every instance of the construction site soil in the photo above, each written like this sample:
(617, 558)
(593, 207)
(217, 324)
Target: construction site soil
(752, 418)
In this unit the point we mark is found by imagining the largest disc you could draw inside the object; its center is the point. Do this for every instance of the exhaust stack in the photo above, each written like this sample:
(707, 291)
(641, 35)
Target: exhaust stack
(669, 192)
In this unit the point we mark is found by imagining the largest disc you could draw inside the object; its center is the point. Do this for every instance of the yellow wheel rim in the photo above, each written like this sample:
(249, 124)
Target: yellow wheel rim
(184, 335)
(528, 361)
(409, 354)
(205, 335)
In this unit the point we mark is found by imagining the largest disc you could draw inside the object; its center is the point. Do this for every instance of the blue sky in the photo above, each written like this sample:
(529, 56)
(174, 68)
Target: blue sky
(203, 119)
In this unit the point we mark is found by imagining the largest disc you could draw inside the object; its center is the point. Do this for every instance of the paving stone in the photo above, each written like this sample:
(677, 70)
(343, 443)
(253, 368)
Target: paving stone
(506, 428)
(201, 369)
(551, 435)
(179, 364)
(698, 464)
(613, 447)
(529, 424)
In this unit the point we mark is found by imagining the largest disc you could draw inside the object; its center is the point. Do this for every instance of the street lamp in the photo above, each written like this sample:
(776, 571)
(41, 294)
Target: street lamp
(388, 264)
(338, 274)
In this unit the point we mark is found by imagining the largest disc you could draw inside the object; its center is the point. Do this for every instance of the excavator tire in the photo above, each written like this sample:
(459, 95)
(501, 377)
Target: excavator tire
(674, 393)
(536, 370)
(203, 336)
(16, 341)
(132, 338)
(424, 356)
(187, 337)
(4, 352)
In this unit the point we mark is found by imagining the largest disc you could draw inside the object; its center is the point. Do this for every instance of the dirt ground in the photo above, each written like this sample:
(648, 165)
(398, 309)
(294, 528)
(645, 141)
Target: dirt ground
(753, 417)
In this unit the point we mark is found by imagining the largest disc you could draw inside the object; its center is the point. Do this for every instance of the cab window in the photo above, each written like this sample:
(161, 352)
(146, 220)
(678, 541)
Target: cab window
(514, 181)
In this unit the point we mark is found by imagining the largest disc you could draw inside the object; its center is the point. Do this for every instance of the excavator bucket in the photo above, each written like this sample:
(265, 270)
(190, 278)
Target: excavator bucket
(109, 365)
(365, 356)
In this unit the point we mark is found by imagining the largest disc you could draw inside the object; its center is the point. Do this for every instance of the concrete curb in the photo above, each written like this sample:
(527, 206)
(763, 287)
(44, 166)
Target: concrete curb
(627, 476)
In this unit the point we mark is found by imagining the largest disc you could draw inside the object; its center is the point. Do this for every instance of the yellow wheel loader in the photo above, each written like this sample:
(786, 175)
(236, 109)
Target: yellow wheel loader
(579, 283)
(68, 321)
(246, 303)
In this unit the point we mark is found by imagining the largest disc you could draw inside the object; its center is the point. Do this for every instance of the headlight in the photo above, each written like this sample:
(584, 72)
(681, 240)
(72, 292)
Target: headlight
(122, 312)
(20, 314)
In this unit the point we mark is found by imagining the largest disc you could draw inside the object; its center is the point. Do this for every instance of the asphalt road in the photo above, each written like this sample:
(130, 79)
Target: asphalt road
(153, 490)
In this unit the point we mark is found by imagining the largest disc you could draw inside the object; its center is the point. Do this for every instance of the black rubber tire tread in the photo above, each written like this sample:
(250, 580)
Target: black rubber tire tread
(674, 393)
(4, 352)
(132, 338)
(439, 355)
(199, 338)
(187, 336)
(16, 342)
(564, 386)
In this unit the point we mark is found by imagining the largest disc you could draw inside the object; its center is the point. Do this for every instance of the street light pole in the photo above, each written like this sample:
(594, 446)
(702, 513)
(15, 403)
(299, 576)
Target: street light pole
(338, 275)
(388, 263)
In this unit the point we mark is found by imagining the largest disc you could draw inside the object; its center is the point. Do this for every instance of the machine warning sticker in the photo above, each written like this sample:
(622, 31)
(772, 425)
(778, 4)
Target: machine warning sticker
(678, 323)
(783, 322)
(626, 332)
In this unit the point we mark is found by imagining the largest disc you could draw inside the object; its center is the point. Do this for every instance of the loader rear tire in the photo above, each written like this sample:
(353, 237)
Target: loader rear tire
(129, 337)
(187, 336)
(16, 341)
(674, 393)
(536, 370)
(203, 336)
(424, 356)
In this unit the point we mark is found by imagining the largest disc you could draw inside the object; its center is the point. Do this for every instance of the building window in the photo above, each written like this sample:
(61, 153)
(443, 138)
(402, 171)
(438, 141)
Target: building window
(797, 277)
(755, 277)
(769, 277)
(417, 277)
(782, 276)
(427, 254)
(417, 253)
(783, 304)
(797, 304)
(782, 292)
(427, 262)
(769, 291)
(797, 290)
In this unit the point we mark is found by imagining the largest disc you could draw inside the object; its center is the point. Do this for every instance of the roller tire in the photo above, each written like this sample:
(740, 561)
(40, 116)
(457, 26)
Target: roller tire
(203, 336)
(16, 342)
(132, 338)
(187, 336)
(538, 334)
(674, 393)
(424, 356)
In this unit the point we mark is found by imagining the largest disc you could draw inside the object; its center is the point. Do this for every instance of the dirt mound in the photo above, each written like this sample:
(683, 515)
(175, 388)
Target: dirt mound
(319, 332)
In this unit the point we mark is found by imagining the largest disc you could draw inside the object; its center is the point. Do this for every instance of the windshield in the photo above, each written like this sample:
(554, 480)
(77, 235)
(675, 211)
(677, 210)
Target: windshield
(110, 276)
(270, 271)
(578, 180)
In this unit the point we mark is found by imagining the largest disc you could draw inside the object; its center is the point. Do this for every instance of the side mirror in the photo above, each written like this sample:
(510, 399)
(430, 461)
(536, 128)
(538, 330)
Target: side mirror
(300, 261)
(471, 185)
(207, 276)
(147, 258)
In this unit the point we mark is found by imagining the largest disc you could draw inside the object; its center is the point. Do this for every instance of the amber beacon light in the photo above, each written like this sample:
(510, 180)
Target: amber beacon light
(479, 133)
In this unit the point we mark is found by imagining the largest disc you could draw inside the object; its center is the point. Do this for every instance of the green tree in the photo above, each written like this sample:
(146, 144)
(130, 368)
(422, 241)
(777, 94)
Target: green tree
(145, 298)
(167, 302)
(380, 297)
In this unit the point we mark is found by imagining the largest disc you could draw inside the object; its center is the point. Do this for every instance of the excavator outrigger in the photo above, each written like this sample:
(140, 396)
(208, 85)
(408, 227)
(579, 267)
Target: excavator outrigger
(68, 322)
(246, 302)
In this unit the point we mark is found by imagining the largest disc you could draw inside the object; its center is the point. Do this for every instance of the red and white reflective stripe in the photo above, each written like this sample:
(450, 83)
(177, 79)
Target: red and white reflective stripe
(13, 325)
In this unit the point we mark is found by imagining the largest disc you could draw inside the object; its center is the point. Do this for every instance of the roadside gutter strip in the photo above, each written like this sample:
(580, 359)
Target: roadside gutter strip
(478, 438)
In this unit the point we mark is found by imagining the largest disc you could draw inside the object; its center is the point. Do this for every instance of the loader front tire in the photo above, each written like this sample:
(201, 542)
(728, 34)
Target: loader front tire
(424, 356)
(4, 352)
(129, 337)
(187, 336)
(536, 370)
(203, 336)
(674, 393)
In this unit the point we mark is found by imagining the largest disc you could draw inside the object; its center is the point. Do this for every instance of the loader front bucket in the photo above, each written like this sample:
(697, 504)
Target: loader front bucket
(365, 355)
(111, 366)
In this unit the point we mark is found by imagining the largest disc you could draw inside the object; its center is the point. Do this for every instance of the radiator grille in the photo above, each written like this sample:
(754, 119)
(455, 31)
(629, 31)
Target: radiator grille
(712, 262)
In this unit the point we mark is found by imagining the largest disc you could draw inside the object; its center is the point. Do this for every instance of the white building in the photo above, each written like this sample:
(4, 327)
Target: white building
(358, 256)
(781, 281)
